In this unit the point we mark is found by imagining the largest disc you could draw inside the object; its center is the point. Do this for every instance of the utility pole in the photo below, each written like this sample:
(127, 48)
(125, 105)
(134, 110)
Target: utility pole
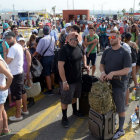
(67, 4)
(73, 4)
(134, 7)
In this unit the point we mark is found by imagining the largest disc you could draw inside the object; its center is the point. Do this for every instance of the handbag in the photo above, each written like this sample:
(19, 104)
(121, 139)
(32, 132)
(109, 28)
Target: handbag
(34, 90)
(36, 67)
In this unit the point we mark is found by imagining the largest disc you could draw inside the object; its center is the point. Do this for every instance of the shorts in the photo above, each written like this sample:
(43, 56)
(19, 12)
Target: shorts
(17, 87)
(47, 63)
(119, 99)
(3, 96)
(73, 92)
(92, 58)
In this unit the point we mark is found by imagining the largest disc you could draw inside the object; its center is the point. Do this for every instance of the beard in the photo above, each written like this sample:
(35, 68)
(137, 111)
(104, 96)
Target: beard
(11, 44)
(113, 43)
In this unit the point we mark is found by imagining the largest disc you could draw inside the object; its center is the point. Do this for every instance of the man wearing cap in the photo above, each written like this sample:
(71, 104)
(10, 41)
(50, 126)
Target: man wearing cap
(62, 39)
(6, 29)
(15, 63)
(45, 48)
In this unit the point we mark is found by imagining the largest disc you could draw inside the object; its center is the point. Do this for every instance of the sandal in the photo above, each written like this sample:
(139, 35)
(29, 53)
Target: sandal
(5, 134)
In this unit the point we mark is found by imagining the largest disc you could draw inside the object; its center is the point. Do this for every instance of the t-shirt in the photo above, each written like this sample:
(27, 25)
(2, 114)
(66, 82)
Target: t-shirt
(115, 60)
(103, 29)
(16, 53)
(89, 39)
(1, 47)
(72, 56)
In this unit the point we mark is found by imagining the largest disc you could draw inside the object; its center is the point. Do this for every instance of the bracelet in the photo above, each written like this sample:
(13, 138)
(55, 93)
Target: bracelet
(102, 72)
(65, 82)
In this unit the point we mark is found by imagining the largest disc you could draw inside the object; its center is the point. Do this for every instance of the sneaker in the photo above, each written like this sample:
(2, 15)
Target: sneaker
(14, 119)
(49, 92)
(65, 122)
(25, 113)
(118, 134)
(78, 114)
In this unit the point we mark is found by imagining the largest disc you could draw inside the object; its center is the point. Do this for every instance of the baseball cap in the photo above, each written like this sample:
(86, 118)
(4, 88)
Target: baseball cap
(67, 25)
(9, 35)
(46, 30)
(35, 31)
(5, 25)
(21, 39)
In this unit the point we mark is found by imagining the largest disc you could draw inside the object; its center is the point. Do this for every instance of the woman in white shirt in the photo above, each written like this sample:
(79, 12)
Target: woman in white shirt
(5, 82)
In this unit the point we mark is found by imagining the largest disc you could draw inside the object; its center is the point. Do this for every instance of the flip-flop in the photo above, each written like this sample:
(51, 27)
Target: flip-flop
(5, 134)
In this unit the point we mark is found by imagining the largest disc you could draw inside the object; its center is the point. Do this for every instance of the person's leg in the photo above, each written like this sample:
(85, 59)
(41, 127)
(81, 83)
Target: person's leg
(93, 70)
(1, 118)
(48, 82)
(64, 110)
(18, 108)
(74, 105)
(93, 59)
(24, 102)
(5, 122)
(134, 75)
(52, 80)
(121, 120)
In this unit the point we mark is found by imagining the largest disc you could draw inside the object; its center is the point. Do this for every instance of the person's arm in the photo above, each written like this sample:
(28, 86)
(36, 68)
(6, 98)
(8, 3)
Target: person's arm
(122, 72)
(4, 51)
(93, 46)
(103, 74)
(91, 42)
(9, 76)
(62, 75)
(9, 60)
(28, 57)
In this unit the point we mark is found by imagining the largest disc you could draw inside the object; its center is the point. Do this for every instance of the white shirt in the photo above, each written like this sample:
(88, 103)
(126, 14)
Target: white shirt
(16, 53)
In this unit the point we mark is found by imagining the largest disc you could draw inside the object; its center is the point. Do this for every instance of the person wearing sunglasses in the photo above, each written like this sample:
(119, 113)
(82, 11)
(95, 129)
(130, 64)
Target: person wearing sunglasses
(69, 66)
(116, 62)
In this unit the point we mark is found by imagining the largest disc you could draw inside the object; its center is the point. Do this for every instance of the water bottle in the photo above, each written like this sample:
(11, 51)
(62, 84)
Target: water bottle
(133, 97)
(133, 120)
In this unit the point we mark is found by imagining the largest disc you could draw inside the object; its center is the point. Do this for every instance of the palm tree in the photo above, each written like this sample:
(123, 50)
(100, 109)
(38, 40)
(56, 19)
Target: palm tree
(123, 11)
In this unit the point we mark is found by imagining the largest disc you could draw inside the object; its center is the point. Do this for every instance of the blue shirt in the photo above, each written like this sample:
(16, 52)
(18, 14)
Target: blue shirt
(44, 44)
(54, 34)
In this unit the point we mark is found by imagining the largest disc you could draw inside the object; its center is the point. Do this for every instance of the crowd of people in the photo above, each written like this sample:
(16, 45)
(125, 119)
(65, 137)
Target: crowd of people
(118, 40)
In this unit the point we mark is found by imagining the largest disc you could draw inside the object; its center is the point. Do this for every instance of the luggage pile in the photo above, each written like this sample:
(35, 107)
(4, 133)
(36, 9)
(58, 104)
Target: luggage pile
(102, 111)
(100, 97)
(87, 82)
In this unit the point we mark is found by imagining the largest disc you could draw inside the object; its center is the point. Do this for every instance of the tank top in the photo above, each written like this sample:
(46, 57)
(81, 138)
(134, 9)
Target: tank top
(2, 76)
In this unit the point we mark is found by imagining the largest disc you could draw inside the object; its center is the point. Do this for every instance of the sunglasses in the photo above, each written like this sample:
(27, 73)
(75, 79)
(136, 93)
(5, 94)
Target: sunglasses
(112, 37)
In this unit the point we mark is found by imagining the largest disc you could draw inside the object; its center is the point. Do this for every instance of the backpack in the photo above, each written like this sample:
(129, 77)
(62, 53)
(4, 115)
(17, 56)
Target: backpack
(133, 55)
(100, 97)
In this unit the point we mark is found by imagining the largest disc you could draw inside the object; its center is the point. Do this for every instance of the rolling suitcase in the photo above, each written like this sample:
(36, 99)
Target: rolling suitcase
(87, 81)
(102, 127)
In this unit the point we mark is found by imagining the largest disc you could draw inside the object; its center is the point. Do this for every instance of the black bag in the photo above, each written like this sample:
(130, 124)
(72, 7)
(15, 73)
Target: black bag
(133, 55)
(87, 81)
(102, 127)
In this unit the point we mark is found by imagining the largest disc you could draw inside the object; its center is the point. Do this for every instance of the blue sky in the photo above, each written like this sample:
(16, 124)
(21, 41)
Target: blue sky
(62, 4)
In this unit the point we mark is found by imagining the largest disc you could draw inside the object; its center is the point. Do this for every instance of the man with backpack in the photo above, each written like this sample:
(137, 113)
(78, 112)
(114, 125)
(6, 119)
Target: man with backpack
(115, 66)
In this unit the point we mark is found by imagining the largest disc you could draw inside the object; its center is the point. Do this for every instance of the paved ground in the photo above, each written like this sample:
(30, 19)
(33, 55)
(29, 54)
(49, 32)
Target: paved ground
(44, 122)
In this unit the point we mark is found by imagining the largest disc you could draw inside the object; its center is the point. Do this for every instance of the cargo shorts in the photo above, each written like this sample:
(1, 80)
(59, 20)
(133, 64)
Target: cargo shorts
(73, 92)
